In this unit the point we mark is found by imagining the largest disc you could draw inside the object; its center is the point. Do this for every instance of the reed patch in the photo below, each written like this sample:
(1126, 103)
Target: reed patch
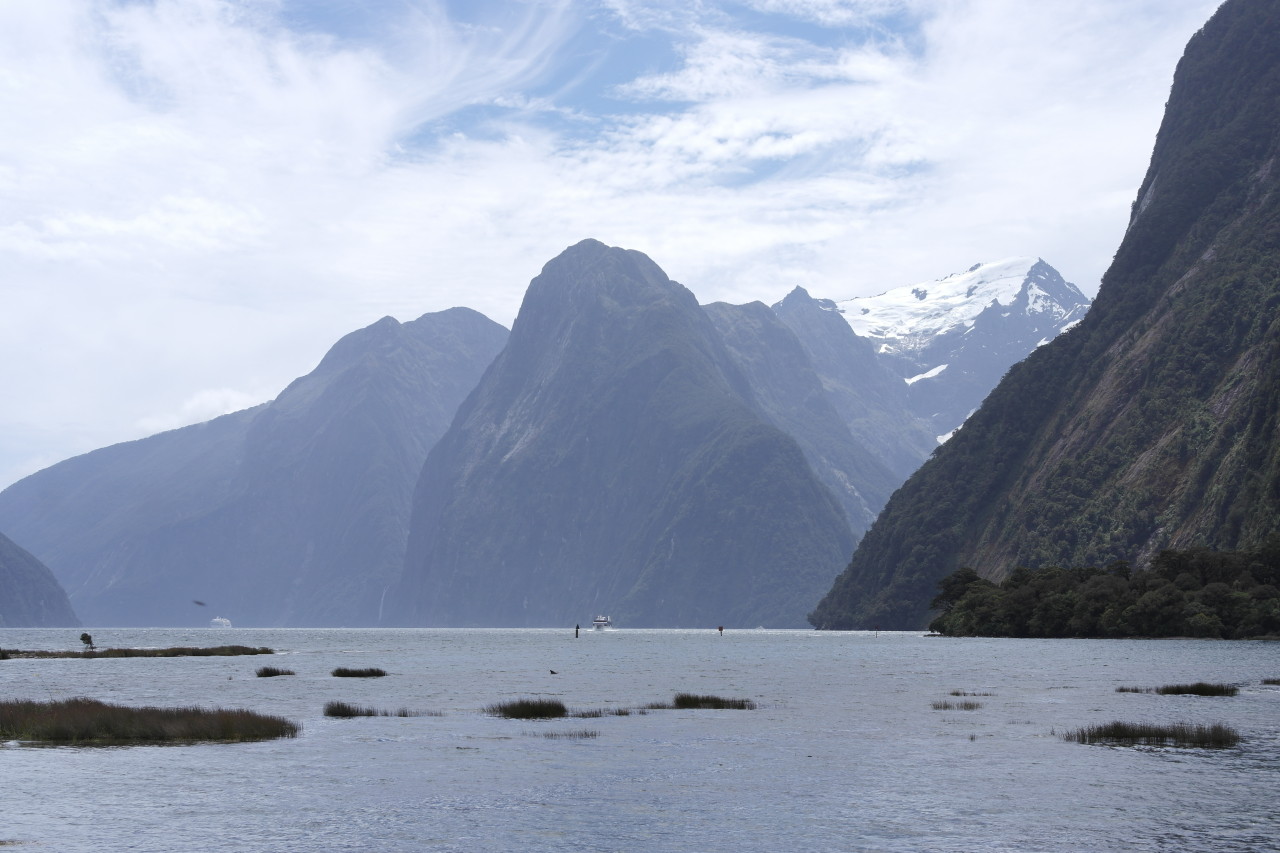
(947, 705)
(1199, 688)
(88, 721)
(172, 652)
(1185, 735)
(367, 672)
(528, 709)
(346, 710)
(273, 671)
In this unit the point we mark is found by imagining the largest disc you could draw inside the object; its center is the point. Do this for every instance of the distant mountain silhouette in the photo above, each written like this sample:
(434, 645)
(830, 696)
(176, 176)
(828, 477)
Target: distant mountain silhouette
(30, 597)
(291, 513)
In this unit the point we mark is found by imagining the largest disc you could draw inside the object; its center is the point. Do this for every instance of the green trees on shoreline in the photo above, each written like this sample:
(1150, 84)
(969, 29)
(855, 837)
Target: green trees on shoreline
(1192, 593)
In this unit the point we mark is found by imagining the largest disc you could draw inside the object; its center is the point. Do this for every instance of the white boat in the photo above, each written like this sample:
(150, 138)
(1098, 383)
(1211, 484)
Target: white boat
(219, 622)
(600, 623)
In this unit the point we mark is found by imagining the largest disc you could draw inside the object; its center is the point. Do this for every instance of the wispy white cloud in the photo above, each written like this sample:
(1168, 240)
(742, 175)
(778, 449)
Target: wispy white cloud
(200, 194)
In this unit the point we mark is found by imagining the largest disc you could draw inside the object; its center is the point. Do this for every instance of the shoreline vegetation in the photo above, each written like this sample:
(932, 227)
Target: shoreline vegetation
(83, 721)
(172, 652)
(1194, 593)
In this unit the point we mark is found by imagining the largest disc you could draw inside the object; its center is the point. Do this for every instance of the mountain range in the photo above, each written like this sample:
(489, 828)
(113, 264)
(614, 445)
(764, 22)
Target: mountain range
(953, 339)
(626, 450)
(294, 512)
(1152, 423)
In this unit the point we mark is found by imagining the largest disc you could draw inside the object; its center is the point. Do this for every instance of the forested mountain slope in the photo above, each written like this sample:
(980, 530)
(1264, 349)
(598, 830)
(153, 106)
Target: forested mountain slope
(1153, 423)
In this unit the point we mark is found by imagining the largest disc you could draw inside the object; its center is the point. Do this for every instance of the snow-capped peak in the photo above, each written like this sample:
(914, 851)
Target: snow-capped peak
(913, 315)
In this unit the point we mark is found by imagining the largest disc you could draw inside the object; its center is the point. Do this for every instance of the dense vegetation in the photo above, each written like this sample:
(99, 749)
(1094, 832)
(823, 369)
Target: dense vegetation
(1153, 423)
(88, 721)
(1213, 736)
(1196, 593)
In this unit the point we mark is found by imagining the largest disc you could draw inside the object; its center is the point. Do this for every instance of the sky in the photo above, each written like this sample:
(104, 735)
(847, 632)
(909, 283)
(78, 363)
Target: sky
(199, 197)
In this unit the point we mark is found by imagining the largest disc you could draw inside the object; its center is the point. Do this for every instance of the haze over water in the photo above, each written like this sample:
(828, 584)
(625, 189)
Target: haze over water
(844, 752)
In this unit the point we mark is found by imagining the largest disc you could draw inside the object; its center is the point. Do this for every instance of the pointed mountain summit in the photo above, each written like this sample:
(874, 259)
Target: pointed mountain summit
(1153, 423)
(294, 512)
(614, 460)
(30, 596)
(953, 339)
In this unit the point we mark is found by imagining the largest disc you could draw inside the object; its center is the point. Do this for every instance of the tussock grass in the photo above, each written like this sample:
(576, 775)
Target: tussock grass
(684, 701)
(528, 709)
(577, 734)
(173, 652)
(594, 713)
(272, 672)
(344, 709)
(1271, 681)
(1199, 688)
(946, 705)
(968, 693)
(368, 672)
(1214, 736)
(88, 721)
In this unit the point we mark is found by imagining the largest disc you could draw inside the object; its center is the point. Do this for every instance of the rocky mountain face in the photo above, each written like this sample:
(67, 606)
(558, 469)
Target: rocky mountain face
(616, 458)
(788, 391)
(291, 513)
(1151, 424)
(952, 340)
(869, 397)
(30, 597)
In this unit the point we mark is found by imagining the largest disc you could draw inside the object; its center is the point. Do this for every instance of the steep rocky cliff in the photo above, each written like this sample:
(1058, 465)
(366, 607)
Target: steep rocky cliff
(614, 459)
(1151, 424)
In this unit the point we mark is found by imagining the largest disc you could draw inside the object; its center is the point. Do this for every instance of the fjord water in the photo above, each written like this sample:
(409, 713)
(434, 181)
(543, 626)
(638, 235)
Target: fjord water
(845, 751)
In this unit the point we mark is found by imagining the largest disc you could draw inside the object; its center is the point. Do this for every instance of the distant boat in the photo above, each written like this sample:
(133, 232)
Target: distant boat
(219, 622)
(601, 622)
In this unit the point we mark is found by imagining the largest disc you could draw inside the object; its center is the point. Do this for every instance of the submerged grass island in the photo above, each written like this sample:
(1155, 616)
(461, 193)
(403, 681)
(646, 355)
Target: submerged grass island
(172, 652)
(82, 721)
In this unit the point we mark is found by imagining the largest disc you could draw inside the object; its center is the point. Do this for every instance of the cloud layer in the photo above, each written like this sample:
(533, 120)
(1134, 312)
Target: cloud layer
(198, 197)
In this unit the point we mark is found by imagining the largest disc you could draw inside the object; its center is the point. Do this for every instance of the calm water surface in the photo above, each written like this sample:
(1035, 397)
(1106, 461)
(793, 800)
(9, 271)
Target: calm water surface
(844, 753)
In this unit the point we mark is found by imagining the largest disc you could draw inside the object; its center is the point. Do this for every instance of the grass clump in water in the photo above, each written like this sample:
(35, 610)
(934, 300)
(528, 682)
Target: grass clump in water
(1271, 681)
(346, 710)
(946, 705)
(88, 721)
(684, 701)
(969, 693)
(273, 671)
(577, 734)
(1199, 688)
(528, 709)
(1214, 736)
(172, 652)
(368, 672)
